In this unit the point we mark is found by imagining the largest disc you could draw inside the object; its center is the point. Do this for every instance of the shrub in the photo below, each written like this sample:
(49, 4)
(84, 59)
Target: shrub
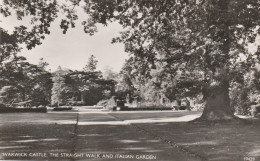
(149, 106)
(103, 103)
(111, 103)
(255, 110)
(2, 105)
(7, 110)
(74, 103)
(62, 108)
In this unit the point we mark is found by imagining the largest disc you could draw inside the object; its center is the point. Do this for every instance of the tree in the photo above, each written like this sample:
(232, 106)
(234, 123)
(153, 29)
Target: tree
(90, 86)
(246, 95)
(41, 91)
(125, 85)
(80, 81)
(92, 64)
(195, 35)
(109, 74)
(59, 87)
(42, 64)
(8, 94)
(29, 82)
(8, 46)
(206, 36)
(159, 84)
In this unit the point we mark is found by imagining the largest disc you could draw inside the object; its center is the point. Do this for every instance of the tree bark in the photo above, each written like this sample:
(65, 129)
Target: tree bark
(217, 105)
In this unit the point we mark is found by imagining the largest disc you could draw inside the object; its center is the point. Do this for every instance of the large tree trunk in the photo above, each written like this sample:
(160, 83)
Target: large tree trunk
(217, 105)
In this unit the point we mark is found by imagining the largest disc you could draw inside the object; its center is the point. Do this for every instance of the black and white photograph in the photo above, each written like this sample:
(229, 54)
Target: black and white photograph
(129, 80)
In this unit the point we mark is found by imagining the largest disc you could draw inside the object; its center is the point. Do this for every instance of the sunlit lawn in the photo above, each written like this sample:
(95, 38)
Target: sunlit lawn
(55, 132)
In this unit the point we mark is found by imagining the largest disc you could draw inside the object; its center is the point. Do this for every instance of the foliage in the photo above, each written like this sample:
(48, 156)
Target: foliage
(159, 86)
(21, 81)
(2, 105)
(43, 14)
(8, 94)
(111, 103)
(59, 89)
(89, 87)
(41, 95)
(245, 96)
(185, 34)
(91, 65)
(130, 80)
(103, 103)
(7, 110)
(109, 74)
(27, 79)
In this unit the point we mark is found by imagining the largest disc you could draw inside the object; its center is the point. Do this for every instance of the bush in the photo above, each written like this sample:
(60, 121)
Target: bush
(111, 103)
(255, 110)
(74, 103)
(151, 108)
(2, 105)
(239, 101)
(11, 109)
(62, 108)
(103, 103)
(145, 106)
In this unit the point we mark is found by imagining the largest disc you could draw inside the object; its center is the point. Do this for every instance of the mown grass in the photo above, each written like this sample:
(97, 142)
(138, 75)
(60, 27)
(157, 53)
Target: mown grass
(231, 141)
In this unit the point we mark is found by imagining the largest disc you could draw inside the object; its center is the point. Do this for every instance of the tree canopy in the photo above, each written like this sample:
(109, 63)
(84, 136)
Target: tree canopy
(179, 36)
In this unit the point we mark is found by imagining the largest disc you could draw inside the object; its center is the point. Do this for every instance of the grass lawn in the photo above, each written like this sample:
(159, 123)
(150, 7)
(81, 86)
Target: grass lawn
(177, 141)
(211, 142)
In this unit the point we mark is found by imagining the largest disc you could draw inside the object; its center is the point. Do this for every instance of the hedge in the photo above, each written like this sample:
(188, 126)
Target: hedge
(12, 109)
(62, 108)
(142, 108)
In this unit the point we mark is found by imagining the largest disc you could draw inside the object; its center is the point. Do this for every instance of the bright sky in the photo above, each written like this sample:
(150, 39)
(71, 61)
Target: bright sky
(73, 49)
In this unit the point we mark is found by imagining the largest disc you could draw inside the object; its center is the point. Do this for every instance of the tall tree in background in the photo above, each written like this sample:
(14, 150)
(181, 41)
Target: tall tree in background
(80, 82)
(91, 64)
(88, 87)
(41, 93)
(59, 87)
(110, 74)
(31, 83)
(125, 84)
(195, 35)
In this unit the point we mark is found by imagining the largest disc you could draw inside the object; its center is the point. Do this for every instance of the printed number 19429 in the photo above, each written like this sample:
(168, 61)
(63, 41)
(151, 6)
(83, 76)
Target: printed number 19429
(249, 158)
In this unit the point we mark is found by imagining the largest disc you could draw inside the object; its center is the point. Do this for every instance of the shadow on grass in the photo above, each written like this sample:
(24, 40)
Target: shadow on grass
(214, 141)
